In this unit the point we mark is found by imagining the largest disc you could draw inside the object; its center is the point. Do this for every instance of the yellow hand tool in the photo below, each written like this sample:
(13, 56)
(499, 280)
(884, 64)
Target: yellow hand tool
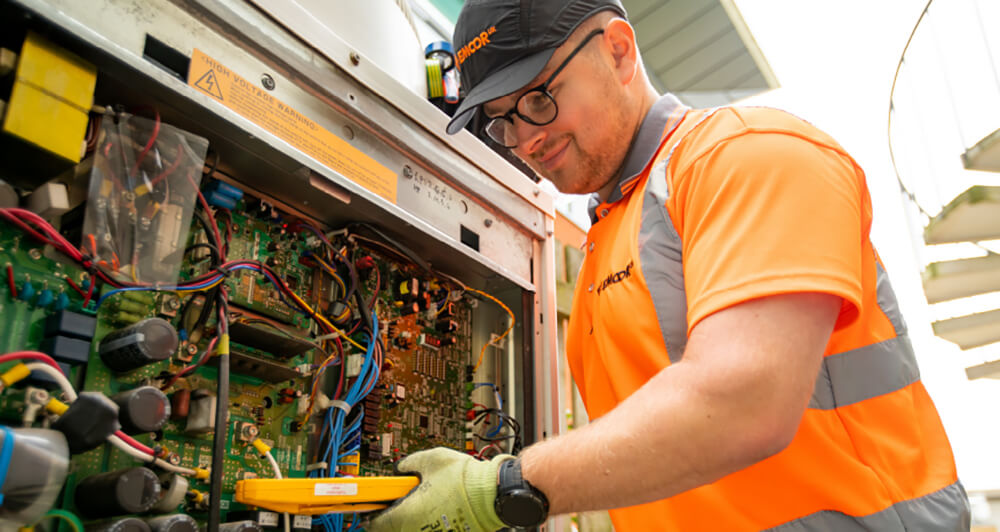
(315, 496)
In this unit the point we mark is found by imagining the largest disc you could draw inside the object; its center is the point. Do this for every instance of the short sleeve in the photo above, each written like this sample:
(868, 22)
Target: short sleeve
(767, 213)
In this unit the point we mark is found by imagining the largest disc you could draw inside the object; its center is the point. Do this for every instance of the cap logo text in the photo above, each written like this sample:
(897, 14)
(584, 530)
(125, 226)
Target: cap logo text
(475, 44)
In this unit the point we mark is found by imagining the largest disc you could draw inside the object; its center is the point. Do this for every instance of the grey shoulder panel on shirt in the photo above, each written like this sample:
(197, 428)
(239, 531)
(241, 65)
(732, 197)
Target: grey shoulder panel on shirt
(661, 261)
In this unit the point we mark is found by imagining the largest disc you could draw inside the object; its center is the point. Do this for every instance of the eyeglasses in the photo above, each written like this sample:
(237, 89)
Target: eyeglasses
(537, 106)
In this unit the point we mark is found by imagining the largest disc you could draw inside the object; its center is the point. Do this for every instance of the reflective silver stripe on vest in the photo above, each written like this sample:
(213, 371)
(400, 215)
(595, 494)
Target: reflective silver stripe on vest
(660, 255)
(870, 371)
(945, 510)
(662, 265)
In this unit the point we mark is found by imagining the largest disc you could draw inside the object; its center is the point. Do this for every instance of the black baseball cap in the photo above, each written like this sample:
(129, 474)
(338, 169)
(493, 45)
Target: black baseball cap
(501, 45)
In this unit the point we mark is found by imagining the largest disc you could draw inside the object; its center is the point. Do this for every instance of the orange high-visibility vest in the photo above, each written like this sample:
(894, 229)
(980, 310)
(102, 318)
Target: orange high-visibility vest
(729, 205)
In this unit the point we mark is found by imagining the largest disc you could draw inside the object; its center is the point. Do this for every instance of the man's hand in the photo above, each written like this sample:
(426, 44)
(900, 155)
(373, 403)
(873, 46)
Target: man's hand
(456, 492)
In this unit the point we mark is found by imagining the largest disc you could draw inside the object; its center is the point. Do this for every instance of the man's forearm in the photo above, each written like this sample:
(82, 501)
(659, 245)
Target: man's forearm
(664, 439)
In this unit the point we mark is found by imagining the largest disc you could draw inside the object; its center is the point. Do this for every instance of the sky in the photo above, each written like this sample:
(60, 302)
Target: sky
(835, 62)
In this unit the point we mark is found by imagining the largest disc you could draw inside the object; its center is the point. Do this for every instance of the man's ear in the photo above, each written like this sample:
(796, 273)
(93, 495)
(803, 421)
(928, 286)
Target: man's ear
(620, 38)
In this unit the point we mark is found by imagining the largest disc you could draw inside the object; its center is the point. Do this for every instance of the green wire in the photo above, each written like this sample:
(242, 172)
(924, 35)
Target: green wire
(73, 520)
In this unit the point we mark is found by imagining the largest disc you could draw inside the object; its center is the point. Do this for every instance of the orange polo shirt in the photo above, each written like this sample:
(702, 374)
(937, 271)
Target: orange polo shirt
(718, 207)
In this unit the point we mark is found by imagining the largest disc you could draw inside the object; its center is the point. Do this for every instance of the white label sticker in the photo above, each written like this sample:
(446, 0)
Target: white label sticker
(267, 519)
(300, 522)
(336, 489)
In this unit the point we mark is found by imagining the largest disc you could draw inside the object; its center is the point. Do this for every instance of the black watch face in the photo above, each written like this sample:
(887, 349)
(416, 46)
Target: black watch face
(521, 508)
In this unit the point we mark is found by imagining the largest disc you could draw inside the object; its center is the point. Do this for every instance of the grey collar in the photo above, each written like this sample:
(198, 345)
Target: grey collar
(642, 150)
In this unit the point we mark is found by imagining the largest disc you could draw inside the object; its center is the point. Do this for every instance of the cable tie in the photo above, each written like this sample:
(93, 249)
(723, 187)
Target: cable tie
(343, 405)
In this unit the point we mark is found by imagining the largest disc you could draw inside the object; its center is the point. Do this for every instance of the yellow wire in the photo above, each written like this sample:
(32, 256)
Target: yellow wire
(499, 338)
(326, 322)
(73, 520)
(329, 269)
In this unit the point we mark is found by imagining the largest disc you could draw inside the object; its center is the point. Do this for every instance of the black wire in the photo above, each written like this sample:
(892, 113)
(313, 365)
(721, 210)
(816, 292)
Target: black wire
(221, 434)
(211, 248)
(410, 254)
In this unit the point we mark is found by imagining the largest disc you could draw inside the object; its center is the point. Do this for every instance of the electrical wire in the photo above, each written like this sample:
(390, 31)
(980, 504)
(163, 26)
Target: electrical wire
(497, 340)
(277, 474)
(72, 519)
(895, 77)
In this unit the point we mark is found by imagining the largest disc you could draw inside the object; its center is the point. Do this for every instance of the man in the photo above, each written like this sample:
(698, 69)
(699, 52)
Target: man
(733, 333)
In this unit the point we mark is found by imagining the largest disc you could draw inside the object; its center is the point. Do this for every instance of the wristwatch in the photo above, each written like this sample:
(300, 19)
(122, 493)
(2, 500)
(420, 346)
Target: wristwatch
(518, 503)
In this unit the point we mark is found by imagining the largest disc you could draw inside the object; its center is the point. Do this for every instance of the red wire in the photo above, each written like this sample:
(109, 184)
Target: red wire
(208, 213)
(135, 443)
(90, 291)
(31, 355)
(76, 287)
(149, 145)
(173, 166)
(10, 281)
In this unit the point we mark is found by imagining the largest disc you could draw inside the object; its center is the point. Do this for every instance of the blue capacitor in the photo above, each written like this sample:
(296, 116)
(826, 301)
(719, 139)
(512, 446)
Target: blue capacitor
(228, 190)
(27, 292)
(45, 298)
(62, 301)
(220, 200)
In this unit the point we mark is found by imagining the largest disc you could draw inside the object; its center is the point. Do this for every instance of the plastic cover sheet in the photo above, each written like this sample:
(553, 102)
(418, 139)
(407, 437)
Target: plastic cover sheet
(143, 188)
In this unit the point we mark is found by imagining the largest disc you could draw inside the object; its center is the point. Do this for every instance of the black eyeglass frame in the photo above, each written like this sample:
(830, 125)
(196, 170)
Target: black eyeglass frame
(542, 88)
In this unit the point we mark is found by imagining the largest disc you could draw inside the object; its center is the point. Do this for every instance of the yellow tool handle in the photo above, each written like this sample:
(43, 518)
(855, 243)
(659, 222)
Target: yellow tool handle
(314, 496)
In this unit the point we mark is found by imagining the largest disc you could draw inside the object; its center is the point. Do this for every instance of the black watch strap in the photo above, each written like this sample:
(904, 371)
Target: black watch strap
(518, 503)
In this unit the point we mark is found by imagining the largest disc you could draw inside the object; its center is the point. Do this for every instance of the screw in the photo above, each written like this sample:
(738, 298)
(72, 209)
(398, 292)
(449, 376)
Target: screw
(408, 172)
(355, 58)
(536, 191)
(267, 81)
(487, 222)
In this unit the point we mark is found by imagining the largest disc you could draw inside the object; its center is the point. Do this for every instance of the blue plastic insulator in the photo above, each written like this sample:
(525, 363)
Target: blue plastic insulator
(228, 190)
(27, 292)
(443, 52)
(217, 199)
(182, 334)
(62, 301)
(45, 298)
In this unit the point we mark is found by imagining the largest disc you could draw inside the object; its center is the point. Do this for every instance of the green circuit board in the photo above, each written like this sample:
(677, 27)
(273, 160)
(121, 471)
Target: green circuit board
(419, 402)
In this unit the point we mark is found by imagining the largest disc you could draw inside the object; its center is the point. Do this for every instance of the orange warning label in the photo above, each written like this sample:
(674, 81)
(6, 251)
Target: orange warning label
(259, 106)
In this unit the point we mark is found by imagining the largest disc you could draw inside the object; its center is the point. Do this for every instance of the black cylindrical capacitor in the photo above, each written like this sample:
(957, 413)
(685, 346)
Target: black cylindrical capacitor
(126, 491)
(143, 409)
(240, 526)
(173, 523)
(129, 524)
(148, 341)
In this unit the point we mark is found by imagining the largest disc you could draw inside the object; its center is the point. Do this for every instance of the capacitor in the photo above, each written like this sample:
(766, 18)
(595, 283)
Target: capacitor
(27, 292)
(126, 491)
(36, 467)
(128, 524)
(45, 298)
(180, 404)
(173, 523)
(62, 301)
(137, 345)
(143, 409)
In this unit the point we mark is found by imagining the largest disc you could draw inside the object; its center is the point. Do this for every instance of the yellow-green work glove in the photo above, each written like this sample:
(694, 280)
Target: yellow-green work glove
(456, 492)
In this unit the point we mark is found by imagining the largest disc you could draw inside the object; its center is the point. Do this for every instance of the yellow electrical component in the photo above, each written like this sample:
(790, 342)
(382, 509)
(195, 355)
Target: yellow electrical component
(51, 98)
(261, 447)
(15, 374)
(354, 459)
(314, 496)
(201, 473)
(56, 406)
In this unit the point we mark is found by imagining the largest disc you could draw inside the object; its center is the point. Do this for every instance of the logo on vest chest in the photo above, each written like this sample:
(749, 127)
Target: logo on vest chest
(615, 278)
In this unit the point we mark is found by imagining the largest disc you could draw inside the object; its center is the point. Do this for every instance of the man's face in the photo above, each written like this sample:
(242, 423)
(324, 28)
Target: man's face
(583, 148)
